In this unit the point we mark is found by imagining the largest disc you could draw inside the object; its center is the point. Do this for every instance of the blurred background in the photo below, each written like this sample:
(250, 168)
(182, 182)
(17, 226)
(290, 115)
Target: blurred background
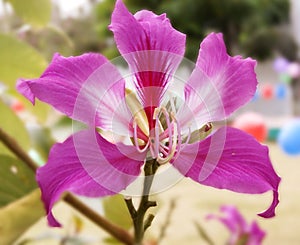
(32, 31)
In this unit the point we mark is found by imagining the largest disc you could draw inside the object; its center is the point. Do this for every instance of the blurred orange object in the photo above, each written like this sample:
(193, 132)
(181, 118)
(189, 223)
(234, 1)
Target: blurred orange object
(267, 91)
(252, 123)
(17, 106)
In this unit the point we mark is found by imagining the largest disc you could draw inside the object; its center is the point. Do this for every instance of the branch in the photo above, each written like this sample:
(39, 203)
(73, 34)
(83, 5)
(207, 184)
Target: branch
(114, 230)
(130, 207)
(15, 148)
(167, 221)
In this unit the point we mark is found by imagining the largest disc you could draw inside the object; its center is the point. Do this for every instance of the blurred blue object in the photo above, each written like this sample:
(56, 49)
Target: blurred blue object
(289, 137)
(281, 91)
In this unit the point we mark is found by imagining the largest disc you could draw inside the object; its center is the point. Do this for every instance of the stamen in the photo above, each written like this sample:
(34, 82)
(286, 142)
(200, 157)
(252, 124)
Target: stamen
(165, 134)
(171, 152)
(156, 138)
(164, 111)
(178, 130)
(187, 139)
(135, 138)
(163, 151)
(173, 107)
(164, 146)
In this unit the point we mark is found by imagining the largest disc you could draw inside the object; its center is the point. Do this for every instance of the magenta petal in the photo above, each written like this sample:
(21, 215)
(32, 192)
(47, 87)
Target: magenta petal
(233, 219)
(24, 88)
(86, 164)
(270, 212)
(238, 226)
(234, 222)
(150, 31)
(152, 48)
(219, 84)
(60, 84)
(256, 234)
(231, 159)
(79, 87)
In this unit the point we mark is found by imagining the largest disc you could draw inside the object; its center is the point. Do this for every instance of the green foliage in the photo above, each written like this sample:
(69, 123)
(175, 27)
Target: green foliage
(18, 60)
(18, 216)
(12, 125)
(49, 40)
(112, 241)
(34, 12)
(17, 180)
(265, 41)
(116, 211)
(237, 20)
(42, 141)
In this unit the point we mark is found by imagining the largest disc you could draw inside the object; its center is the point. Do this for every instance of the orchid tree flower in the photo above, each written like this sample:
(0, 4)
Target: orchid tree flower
(159, 128)
(241, 233)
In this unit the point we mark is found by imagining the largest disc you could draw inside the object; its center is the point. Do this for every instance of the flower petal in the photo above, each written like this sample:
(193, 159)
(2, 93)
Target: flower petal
(80, 87)
(144, 27)
(234, 222)
(233, 219)
(238, 227)
(231, 159)
(219, 84)
(87, 164)
(153, 54)
(256, 234)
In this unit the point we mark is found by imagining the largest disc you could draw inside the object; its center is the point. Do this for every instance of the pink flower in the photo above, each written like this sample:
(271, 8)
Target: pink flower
(90, 89)
(241, 232)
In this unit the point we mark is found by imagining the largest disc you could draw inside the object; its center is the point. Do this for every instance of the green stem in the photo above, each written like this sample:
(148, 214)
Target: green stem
(114, 230)
(138, 216)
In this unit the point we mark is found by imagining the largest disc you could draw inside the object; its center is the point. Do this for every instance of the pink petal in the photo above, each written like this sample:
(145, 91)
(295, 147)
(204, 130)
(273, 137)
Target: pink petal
(152, 48)
(219, 84)
(24, 88)
(238, 226)
(256, 234)
(86, 164)
(231, 159)
(234, 221)
(80, 87)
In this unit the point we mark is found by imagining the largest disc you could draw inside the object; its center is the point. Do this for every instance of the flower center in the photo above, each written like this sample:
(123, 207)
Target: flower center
(165, 140)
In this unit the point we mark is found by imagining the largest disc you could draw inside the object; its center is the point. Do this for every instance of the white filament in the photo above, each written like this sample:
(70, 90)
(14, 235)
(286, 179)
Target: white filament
(159, 136)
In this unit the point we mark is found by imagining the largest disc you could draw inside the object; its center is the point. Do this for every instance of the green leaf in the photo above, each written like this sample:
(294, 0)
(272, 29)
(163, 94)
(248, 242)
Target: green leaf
(40, 109)
(18, 60)
(17, 180)
(18, 216)
(13, 125)
(34, 12)
(116, 211)
(112, 241)
(42, 141)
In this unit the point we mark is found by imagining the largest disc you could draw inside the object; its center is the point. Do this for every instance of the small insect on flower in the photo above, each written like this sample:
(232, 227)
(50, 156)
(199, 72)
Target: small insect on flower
(98, 161)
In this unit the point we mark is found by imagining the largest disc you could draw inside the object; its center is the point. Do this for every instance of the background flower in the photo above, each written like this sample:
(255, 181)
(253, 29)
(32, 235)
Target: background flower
(240, 231)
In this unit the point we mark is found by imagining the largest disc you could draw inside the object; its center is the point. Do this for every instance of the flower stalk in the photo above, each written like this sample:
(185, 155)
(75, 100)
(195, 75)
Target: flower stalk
(138, 215)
